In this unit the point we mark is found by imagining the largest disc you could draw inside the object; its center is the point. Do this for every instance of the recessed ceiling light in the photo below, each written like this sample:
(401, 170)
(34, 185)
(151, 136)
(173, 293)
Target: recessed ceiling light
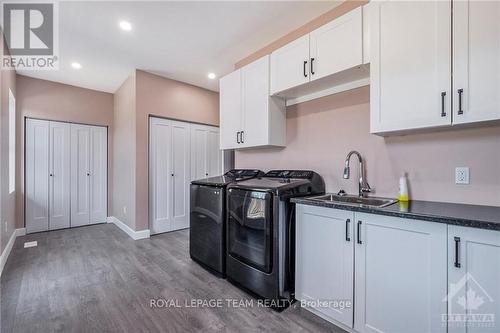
(211, 76)
(124, 25)
(76, 65)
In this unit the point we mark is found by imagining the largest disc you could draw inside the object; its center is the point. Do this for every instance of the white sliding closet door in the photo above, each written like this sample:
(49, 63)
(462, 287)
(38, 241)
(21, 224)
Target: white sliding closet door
(160, 174)
(80, 175)
(214, 154)
(59, 175)
(181, 170)
(198, 152)
(98, 174)
(37, 175)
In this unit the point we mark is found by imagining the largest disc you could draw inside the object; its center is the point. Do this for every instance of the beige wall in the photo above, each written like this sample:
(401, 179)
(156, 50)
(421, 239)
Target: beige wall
(320, 133)
(7, 200)
(123, 205)
(55, 101)
(163, 97)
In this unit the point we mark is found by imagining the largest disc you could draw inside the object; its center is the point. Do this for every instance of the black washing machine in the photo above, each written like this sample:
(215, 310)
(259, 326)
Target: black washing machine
(207, 234)
(261, 232)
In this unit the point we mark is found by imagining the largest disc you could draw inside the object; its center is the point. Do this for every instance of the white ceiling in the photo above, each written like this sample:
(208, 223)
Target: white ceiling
(179, 40)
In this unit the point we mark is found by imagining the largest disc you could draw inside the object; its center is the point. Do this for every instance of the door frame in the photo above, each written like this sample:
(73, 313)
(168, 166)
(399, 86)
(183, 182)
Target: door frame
(25, 118)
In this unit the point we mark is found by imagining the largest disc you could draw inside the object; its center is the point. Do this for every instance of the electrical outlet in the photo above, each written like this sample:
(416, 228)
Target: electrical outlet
(462, 175)
(125, 210)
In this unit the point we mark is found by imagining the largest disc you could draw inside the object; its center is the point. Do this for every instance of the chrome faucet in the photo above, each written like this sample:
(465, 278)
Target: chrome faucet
(364, 187)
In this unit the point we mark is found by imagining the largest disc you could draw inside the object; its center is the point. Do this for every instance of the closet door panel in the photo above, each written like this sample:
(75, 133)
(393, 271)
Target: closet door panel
(214, 154)
(98, 174)
(59, 177)
(181, 171)
(160, 174)
(198, 152)
(37, 175)
(80, 175)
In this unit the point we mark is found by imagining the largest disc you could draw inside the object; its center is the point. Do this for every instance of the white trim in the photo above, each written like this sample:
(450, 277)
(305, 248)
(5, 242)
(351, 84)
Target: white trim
(6, 252)
(135, 235)
(20, 232)
(330, 91)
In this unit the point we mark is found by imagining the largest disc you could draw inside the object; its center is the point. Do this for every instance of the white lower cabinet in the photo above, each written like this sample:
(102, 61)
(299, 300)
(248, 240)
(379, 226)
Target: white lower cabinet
(325, 262)
(400, 279)
(474, 280)
(393, 270)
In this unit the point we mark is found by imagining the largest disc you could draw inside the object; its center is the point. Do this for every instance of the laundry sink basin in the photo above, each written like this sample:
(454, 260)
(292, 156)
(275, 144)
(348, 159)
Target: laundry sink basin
(354, 200)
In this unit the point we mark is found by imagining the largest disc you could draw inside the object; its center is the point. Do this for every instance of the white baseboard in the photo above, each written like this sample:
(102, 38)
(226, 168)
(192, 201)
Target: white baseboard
(6, 252)
(135, 235)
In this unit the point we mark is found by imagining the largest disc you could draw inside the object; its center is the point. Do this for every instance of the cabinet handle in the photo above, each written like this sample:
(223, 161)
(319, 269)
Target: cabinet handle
(242, 136)
(457, 252)
(347, 223)
(51, 175)
(460, 92)
(359, 232)
(443, 112)
(305, 64)
(206, 174)
(88, 174)
(238, 137)
(312, 70)
(172, 174)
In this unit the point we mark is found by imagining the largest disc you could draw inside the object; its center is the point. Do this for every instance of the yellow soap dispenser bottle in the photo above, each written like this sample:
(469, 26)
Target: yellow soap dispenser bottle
(403, 189)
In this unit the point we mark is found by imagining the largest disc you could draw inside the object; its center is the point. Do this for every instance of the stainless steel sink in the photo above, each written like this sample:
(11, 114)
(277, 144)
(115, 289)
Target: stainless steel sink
(354, 200)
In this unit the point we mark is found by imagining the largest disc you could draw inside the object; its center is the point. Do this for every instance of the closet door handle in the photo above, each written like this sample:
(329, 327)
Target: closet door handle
(242, 136)
(88, 174)
(206, 174)
(359, 232)
(457, 252)
(347, 224)
(305, 64)
(460, 92)
(172, 174)
(238, 137)
(312, 70)
(51, 175)
(443, 112)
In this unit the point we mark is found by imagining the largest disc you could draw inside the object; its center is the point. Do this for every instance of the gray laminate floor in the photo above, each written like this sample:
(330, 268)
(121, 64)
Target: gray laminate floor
(97, 279)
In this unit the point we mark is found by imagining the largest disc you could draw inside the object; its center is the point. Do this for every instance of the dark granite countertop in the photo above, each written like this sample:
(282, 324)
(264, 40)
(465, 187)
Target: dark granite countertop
(485, 217)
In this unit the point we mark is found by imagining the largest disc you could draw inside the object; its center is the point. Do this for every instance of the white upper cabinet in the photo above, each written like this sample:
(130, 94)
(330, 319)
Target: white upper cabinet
(337, 46)
(290, 65)
(410, 65)
(476, 61)
(249, 117)
(230, 110)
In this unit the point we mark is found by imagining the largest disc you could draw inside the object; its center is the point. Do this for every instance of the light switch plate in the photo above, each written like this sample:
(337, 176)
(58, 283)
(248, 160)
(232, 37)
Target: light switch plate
(462, 175)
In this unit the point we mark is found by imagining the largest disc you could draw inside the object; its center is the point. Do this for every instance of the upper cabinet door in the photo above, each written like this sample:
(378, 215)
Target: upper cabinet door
(337, 46)
(476, 61)
(410, 65)
(59, 164)
(98, 174)
(230, 110)
(37, 175)
(255, 87)
(290, 65)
